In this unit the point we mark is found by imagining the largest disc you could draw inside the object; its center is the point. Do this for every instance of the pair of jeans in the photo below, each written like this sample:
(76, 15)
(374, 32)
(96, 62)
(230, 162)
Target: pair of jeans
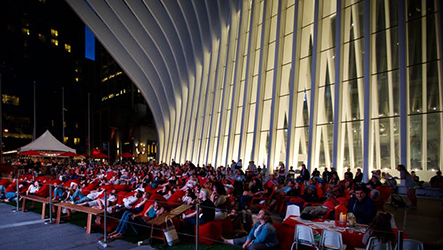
(193, 222)
(125, 222)
(58, 193)
(10, 195)
(77, 194)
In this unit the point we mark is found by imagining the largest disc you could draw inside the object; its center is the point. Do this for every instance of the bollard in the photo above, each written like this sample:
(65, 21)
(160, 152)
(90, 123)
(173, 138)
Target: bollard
(50, 204)
(197, 225)
(18, 197)
(104, 217)
(399, 239)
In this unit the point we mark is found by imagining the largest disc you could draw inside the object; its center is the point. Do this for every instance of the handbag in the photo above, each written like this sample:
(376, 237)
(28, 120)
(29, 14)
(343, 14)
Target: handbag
(170, 232)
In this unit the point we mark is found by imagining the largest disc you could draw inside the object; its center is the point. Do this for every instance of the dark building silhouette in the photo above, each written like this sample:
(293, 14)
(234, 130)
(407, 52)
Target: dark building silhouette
(42, 41)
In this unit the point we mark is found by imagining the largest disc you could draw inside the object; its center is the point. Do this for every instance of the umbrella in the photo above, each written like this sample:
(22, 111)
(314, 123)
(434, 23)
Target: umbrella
(126, 155)
(100, 155)
(68, 154)
(85, 155)
(30, 153)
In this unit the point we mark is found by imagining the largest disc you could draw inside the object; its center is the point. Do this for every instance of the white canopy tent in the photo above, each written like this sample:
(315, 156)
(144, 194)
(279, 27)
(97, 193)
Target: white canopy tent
(46, 142)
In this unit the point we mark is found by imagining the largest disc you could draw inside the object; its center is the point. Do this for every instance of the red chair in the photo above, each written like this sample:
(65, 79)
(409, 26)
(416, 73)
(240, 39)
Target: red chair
(262, 202)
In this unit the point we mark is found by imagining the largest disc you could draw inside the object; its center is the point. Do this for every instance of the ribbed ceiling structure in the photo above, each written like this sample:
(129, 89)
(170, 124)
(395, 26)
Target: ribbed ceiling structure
(159, 44)
(329, 83)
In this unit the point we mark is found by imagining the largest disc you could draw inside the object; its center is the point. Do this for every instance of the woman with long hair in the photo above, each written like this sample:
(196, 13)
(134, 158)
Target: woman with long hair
(380, 227)
(262, 236)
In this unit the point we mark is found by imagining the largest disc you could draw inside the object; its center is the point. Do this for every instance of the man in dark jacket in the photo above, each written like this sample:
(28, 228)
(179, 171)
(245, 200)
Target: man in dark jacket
(362, 206)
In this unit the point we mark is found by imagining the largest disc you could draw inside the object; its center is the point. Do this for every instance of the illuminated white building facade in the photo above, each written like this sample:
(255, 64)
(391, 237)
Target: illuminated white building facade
(334, 83)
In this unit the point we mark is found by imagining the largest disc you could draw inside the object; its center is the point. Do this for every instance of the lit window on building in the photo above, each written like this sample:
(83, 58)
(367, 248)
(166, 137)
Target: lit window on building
(104, 79)
(64, 124)
(9, 99)
(65, 139)
(76, 125)
(42, 38)
(68, 48)
(54, 33)
(54, 42)
(26, 31)
(52, 123)
(111, 96)
(77, 79)
(76, 141)
(42, 1)
(138, 90)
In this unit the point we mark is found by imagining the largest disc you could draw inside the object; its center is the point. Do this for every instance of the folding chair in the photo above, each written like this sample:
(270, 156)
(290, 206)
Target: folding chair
(292, 210)
(375, 243)
(411, 245)
(331, 240)
(303, 235)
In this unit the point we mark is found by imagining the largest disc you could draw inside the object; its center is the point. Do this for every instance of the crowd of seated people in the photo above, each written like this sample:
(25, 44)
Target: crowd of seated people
(222, 192)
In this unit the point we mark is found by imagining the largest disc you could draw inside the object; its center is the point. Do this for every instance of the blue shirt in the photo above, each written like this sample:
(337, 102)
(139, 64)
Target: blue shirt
(266, 234)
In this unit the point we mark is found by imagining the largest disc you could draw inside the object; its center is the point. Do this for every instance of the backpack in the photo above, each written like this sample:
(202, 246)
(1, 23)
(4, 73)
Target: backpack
(397, 201)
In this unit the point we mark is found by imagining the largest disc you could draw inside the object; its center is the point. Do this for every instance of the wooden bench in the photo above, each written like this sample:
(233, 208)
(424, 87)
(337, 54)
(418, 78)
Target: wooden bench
(159, 221)
(35, 198)
(88, 210)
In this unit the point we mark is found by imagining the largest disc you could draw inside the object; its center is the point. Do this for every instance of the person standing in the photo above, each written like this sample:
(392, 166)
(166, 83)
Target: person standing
(410, 185)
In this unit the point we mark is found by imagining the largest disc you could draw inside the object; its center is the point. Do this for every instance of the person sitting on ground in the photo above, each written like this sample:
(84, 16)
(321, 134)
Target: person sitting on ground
(207, 210)
(262, 236)
(314, 212)
(437, 180)
(358, 176)
(380, 227)
(362, 206)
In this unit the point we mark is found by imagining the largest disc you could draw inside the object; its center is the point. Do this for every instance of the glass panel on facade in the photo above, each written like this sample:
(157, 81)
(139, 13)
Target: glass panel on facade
(386, 14)
(416, 141)
(282, 122)
(353, 59)
(434, 141)
(385, 97)
(285, 80)
(353, 22)
(385, 50)
(307, 12)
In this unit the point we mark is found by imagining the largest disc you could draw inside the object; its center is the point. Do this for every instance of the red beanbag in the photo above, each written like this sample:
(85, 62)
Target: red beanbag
(68, 183)
(122, 187)
(210, 232)
(173, 201)
(88, 188)
(285, 235)
(5, 182)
